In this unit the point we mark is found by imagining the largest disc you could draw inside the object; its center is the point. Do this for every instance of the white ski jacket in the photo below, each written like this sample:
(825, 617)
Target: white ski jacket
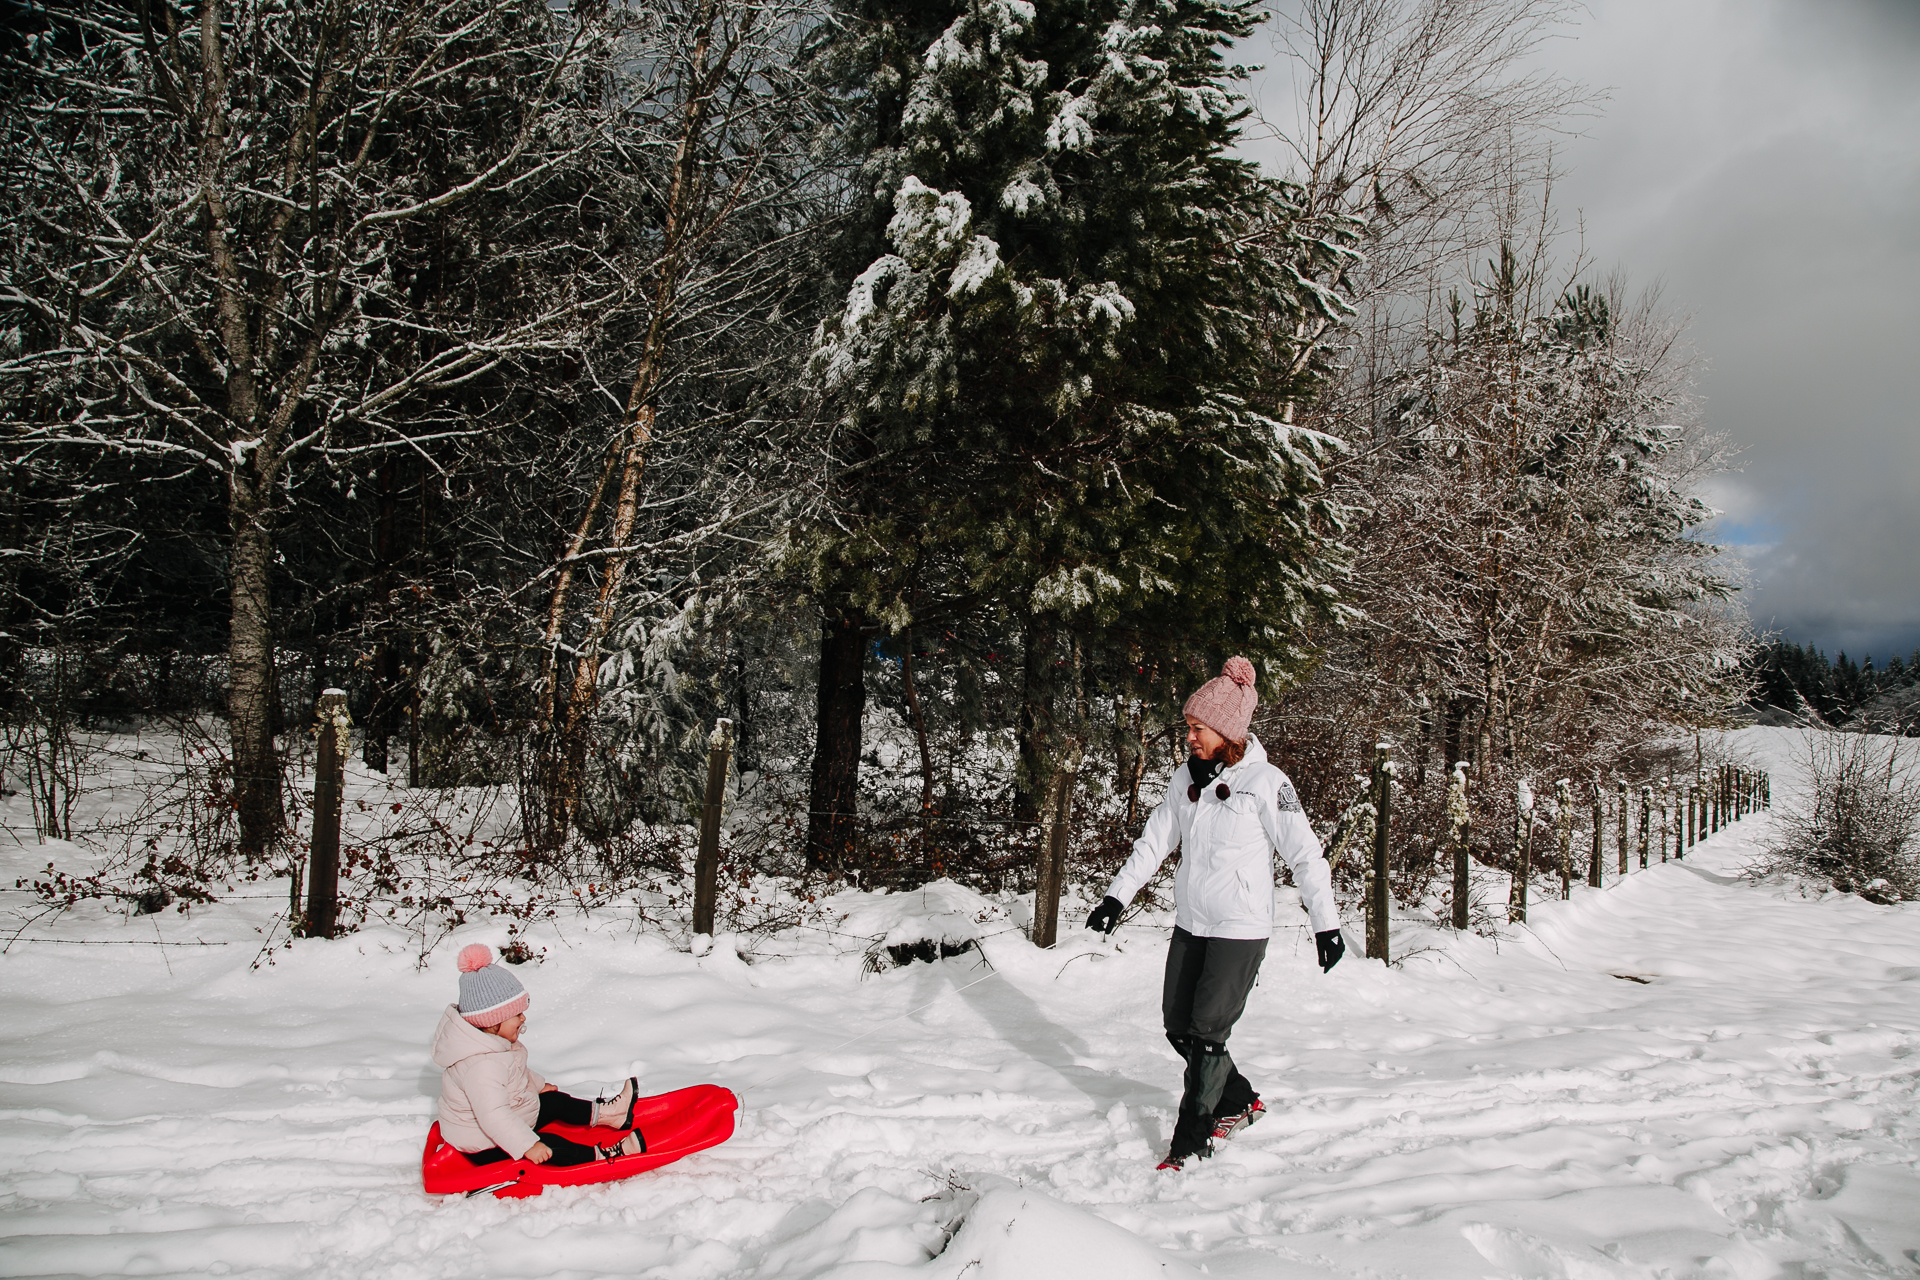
(1224, 886)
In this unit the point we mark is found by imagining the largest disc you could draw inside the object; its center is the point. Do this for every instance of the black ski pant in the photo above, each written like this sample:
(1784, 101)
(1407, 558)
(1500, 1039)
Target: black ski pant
(1205, 992)
(554, 1106)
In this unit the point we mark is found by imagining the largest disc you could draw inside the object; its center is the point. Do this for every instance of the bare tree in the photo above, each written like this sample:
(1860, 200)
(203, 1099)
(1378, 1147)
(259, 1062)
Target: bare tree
(1526, 593)
(1412, 118)
(210, 200)
(716, 132)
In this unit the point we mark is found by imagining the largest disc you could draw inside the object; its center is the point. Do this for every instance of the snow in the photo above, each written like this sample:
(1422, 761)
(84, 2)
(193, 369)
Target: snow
(1686, 1074)
(978, 264)
(929, 225)
(1069, 129)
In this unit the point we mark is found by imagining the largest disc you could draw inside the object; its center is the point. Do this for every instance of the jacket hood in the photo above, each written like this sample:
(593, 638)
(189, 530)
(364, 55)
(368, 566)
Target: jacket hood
(1256, 756)
(456, 1040)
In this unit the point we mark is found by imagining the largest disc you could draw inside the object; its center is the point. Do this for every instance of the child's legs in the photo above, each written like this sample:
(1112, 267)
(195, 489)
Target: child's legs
(566, 1151)
(557, 1106)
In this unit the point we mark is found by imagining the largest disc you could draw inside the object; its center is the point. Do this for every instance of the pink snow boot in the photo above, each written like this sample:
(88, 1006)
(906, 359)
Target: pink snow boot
(617, 1112)
(631, 1145)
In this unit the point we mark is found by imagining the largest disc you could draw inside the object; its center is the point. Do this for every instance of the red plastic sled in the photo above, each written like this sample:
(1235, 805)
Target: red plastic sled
(674, 1124)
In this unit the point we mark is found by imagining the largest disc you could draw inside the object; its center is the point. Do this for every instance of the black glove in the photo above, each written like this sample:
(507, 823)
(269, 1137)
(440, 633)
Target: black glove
(1105, 916)
(1330, 945)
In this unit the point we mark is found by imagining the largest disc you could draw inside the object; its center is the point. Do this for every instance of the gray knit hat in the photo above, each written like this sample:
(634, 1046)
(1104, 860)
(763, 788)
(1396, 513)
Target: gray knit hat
(489, 995)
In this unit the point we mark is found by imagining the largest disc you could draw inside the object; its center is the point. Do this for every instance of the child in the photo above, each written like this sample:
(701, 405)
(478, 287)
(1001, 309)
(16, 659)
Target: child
(492, 1105)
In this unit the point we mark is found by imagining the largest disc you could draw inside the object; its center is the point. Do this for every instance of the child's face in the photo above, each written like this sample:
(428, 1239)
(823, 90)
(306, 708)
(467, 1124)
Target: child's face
(510, 1029)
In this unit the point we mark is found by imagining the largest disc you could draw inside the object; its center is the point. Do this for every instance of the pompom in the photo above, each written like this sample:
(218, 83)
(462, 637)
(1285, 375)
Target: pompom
(475, 956)
(1238, 670)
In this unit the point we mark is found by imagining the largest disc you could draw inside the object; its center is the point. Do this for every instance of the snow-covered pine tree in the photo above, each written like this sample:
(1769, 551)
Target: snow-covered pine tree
(1045, 367)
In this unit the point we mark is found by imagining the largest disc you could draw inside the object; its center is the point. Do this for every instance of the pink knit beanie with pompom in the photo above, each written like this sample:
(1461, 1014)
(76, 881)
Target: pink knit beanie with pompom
(489, 995)
(1225, 703)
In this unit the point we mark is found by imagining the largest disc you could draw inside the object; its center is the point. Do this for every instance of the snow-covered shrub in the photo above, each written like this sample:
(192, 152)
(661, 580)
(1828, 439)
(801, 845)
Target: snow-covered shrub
(1857, 824)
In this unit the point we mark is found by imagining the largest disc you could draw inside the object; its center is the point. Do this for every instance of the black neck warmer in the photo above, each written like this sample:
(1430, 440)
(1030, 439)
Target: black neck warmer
(1201, 772)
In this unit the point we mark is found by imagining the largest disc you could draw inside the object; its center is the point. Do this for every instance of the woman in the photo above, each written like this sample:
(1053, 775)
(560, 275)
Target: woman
(1229, 810)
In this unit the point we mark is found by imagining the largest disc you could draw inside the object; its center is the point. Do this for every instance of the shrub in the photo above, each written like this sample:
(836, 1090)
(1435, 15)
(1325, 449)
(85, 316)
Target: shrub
(1857, 824)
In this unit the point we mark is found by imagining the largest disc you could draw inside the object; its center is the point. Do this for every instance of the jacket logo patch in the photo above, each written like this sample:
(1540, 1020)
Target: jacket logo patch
(1284, 800)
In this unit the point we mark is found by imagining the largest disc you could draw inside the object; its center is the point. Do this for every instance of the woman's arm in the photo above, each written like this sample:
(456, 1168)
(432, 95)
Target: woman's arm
(1160, 837)
(1293, 839)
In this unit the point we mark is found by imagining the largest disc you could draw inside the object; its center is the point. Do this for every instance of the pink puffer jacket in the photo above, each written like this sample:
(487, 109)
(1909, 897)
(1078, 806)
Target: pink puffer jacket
(489, 1097)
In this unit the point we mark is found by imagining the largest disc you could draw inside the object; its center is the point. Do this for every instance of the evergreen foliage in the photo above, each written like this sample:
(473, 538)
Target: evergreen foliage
(1047, 374)
(1800, 678)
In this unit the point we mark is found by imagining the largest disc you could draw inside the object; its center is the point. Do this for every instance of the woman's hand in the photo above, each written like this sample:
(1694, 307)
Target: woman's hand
(539, 1153)
(549, 1088)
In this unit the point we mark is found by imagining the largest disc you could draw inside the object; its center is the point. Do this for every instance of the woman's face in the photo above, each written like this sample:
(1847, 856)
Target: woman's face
(1203, 741)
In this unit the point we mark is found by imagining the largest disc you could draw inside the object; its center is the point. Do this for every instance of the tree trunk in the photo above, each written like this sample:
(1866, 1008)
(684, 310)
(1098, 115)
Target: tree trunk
(1130, 751)
(1036, 723)
(833, 799)
(706, 866)
(1050, 867)
(383, 710)
(256, 769)
(919, 726)
(1453, 731)
(1378, 899)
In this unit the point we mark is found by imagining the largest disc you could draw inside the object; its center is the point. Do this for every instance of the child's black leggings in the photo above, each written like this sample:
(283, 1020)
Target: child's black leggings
(554, 1106)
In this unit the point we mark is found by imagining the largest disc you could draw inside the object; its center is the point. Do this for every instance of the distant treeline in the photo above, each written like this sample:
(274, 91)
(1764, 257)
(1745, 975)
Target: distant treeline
(1788, 676)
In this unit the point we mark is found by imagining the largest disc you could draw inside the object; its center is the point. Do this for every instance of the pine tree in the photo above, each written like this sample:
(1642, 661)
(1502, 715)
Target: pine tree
(1047, 365)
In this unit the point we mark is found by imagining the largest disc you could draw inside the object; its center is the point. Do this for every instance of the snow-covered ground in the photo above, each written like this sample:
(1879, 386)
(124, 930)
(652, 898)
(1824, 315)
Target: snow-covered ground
(1681, 1075)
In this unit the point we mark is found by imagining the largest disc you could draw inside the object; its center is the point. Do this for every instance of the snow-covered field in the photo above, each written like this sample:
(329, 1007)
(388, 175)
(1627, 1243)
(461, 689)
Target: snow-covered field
(1681, 1075)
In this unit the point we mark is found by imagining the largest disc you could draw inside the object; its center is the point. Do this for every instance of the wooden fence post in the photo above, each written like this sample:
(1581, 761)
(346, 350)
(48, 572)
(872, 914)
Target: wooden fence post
(1595, 871)
(1054, 824)
(1646, 820)
(706, 866)
(1563, 824)
(1523, 803)
(1626, 825)
(335, 728)
(1460, 826)
(1666, 812)
(1377, 896)
(1693, 810)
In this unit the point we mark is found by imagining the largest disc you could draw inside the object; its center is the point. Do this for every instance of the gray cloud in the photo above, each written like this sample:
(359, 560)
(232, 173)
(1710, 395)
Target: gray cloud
(1761, 160)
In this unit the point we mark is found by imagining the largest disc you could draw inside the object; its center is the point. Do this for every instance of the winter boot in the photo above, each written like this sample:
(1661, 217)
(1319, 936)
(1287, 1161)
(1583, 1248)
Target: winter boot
(1208, 1070)
(1226, 1126)
(1177, 1160)
(617, 1112)
(631, 1145)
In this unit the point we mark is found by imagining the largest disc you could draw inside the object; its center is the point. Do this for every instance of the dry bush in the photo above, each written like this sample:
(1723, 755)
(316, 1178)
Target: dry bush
(1857, 824)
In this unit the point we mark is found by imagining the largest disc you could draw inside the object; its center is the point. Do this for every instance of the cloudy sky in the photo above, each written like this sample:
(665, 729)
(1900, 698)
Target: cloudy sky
(1760, 159)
